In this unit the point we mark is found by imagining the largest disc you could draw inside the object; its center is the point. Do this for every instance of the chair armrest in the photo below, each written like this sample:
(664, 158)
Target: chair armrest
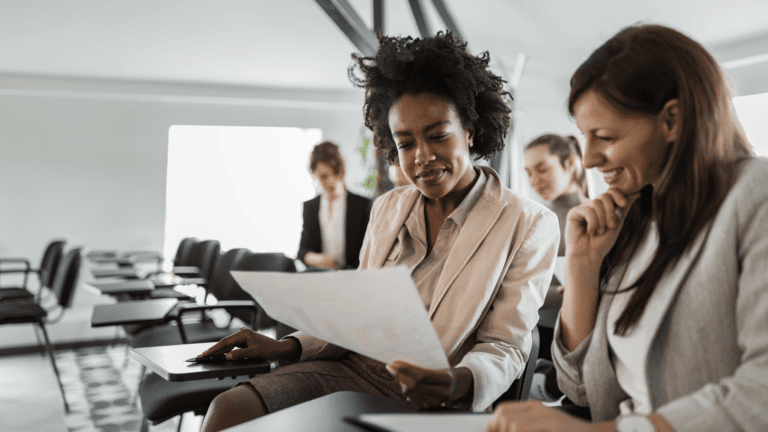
(16, 261)
(225, 304)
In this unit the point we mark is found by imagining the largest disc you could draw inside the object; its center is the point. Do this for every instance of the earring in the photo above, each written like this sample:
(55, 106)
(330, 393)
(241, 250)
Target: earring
(470, 143)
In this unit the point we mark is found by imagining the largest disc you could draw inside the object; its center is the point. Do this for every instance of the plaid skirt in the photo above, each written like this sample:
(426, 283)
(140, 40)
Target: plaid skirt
(301, 382)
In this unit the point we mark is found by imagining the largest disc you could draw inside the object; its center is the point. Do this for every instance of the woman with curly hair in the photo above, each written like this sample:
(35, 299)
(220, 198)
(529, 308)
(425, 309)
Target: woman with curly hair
(480, 256)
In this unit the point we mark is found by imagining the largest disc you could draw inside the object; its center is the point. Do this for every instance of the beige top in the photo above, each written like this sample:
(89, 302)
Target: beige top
(410, 247)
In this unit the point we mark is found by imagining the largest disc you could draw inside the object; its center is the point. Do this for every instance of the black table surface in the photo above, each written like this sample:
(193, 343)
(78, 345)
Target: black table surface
(129, 273)
(132, 312)
(326, 414)
(169, 362)
(124, 287)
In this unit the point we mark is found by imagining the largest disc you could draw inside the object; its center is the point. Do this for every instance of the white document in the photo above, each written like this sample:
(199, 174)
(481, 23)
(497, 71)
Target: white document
(560, 269)
(377, 313)
(428, 422)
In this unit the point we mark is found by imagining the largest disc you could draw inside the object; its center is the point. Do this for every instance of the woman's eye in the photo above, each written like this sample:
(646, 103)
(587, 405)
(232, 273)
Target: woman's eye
(439, 137)
(403, 146)
(605, 138)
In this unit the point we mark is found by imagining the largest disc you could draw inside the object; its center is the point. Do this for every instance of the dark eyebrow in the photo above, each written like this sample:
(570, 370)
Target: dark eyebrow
(426, 129)
(436, 124)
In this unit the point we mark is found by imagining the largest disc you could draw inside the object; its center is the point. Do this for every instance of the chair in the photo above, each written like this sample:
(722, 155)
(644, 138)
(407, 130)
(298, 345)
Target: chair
(199, 263)
(46, 272)
(521, 387)
(162, 400)
(22, 311)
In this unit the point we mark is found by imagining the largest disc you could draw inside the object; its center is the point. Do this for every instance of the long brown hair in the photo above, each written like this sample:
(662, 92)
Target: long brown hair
(563, 147)
(639, 70)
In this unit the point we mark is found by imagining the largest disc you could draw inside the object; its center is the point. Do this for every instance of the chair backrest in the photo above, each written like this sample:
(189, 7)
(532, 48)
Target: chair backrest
(182, 252)
(253, 261)
(221, 278)
(66, 277)
(50, 262)
(203, 255)
(521, 387)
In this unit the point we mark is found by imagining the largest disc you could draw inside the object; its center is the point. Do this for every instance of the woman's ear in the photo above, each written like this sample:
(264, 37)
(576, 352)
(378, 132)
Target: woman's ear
(471, 134)
(670, 118)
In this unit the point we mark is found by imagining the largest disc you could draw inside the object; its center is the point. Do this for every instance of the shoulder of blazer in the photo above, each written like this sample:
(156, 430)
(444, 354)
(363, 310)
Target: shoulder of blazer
(357, 200)
(314, 202)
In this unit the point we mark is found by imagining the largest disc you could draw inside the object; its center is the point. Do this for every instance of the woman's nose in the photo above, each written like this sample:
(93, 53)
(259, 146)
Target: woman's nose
(424, 153)
(593, 153)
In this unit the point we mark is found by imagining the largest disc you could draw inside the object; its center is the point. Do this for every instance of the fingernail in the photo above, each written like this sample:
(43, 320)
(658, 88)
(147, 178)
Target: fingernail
(228, 356)
(403, 388)
(391, 371)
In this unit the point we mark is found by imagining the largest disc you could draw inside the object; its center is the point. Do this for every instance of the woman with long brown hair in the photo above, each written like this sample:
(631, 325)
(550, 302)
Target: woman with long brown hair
(664, 323)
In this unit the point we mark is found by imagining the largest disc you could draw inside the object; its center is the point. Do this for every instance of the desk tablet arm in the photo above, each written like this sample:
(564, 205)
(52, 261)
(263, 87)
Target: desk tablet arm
(225, 304)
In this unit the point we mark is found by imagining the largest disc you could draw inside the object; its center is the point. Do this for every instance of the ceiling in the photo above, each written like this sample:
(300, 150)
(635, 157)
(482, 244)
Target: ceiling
(293, 43)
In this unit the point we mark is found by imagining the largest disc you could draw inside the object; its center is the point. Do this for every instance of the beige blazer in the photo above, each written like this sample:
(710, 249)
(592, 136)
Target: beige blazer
(708, 362)
(495, 279)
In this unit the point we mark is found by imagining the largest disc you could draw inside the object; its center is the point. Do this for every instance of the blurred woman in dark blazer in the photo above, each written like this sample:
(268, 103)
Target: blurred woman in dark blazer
(334, 221)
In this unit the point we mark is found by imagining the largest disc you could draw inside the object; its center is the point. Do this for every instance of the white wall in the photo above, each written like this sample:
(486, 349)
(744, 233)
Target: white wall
(86, 159)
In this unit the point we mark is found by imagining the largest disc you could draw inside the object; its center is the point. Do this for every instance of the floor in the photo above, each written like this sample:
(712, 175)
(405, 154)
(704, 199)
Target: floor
(99, 384)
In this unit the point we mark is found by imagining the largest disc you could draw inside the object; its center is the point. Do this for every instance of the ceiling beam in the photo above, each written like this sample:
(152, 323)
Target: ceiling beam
(378, 16)
(447, 18)
(345, 17)
(421, 19)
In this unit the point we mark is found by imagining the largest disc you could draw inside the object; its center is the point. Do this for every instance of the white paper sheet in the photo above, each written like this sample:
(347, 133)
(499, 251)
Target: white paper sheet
(429, 422)
(377, 313)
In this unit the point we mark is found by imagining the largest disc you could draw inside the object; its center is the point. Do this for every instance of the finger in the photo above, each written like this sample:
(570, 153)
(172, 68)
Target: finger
(601, 217)
(592, 221)
(224, 345)
(441, 393)
(609, 207)
(417, 374)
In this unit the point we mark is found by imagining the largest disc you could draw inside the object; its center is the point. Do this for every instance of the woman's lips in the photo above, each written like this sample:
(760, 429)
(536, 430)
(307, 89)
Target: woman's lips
(431, 175)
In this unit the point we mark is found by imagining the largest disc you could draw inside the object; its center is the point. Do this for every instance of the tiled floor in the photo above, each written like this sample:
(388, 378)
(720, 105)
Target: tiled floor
(99, 391)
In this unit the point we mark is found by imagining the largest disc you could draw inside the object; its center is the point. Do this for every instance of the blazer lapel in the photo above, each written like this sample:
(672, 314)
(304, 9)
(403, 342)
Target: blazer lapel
(388, 229)
(481, 218)
(678, 275)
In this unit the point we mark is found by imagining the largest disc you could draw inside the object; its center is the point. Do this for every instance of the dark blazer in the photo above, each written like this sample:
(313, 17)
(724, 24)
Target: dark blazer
(358, 212)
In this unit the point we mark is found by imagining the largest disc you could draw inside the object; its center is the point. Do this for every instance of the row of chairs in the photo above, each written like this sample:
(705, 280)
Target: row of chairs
(58, 276)
(162, 400)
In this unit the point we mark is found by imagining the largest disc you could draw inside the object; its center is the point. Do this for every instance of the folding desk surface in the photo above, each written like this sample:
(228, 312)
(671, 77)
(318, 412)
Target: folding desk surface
(169, 362)
(132, 312)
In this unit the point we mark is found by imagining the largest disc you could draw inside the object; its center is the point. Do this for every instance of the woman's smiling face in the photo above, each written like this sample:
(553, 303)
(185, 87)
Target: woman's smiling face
(432, 145)
(630, 151)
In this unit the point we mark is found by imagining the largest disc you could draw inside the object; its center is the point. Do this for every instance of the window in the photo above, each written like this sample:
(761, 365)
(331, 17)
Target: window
(753, 115)
(243, 186)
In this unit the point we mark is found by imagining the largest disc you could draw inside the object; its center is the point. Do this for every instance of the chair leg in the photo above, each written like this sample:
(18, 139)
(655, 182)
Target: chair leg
(178, 428)
(39, 342)
(55, 369)
(141, 377)
(144, 424)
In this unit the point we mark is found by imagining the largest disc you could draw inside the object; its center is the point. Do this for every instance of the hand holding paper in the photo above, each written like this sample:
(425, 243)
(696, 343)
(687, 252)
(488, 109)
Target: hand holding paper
(377, 313)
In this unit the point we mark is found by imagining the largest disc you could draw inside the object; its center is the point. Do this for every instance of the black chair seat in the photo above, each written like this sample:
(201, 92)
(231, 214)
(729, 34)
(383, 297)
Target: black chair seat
(15, 293)
(162, 400)
(204, 331)
(21, 312)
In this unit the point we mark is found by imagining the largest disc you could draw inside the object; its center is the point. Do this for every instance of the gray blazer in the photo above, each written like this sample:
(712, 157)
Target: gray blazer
(708, 362)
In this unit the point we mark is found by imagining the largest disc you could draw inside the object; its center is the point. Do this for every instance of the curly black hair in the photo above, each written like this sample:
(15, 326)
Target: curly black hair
(439, 65)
